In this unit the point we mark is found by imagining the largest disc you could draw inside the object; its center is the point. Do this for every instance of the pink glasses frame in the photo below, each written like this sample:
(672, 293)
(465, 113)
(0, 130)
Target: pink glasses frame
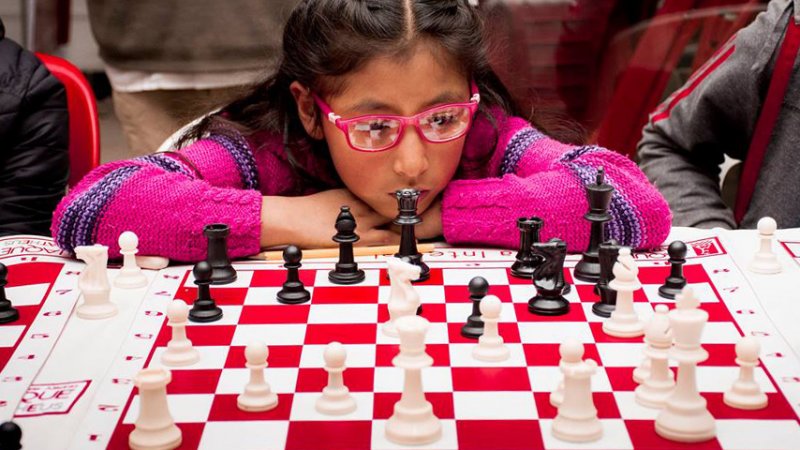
(472, 104)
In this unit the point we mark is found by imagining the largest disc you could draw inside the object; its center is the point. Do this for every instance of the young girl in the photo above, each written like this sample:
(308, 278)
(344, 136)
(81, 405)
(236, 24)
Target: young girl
(370, 96)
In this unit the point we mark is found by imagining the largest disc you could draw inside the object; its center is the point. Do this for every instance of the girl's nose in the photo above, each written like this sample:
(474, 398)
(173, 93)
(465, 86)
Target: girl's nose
(411, 159)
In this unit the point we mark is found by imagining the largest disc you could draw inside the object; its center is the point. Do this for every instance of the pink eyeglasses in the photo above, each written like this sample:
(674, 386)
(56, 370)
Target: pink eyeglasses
(376, 133)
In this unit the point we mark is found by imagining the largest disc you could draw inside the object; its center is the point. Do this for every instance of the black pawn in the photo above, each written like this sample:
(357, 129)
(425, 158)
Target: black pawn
(599, 193)
(204, 309)
(525, 262)
(478, 288)
(608, 253)
(293, 291)
(7, 312)
(217, 235)
(10, 436)
(346, 270)
(675, 281)
(407, 218)
(549, 279)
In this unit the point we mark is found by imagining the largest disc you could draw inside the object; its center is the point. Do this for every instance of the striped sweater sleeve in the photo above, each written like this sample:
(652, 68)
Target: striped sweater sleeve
(166, 200)
(538, 176)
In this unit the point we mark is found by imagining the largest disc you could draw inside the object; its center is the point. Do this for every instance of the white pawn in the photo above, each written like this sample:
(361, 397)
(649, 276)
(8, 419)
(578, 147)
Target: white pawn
(765, 261)
(336, 399)
(93, 283)
(577, 416)
(571, 351)
(257, 395)
(130, 276)
(624, 322)
(154, 429)
(658, 385)
(490, 346)
(745, 392)
(179, 350)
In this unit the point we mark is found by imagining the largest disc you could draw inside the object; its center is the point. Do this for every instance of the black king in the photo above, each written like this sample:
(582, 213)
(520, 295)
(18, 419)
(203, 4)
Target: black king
(599, 193)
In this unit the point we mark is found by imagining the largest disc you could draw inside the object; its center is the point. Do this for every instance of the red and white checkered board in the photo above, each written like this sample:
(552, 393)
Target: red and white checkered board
(42, 289)
(481, 405)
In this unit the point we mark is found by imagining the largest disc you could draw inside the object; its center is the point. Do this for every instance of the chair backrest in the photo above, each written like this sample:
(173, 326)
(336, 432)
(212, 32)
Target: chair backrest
(84, 124)
(679, 28)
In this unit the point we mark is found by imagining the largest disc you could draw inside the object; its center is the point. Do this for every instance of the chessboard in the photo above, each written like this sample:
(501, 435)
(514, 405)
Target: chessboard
(481, 405)
(42, 287)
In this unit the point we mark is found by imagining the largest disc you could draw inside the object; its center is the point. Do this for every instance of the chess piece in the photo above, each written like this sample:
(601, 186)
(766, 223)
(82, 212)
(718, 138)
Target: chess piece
(217, 253)
(413, 421)
(549, 279)
(607, 253)
(10, 436)
(624, 322)
(745, 392)
(675, 281)
(599, 193)
(571, 351)
(490, 344)
(346, 270)
(525, 261)
(7, 312)
(293, 292)
(577, 420)
(179, 350)
(685, 417)
(155, 428)
(130, 276)
(204, 308)
(656, 385)
(93, 283)
(765, 261)
(335, 399)
(257, 395)
(407, 218)
(478, 288)
(403, 299)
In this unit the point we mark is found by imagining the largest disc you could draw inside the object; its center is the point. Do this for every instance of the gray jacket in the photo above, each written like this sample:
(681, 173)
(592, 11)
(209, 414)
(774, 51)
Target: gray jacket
(714, 114)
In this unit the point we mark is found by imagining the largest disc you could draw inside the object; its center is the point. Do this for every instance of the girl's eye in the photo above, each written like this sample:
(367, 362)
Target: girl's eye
(378, 125)
(442, 119)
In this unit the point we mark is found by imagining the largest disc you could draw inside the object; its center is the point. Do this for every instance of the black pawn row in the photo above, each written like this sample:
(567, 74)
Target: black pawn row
(293, 292)
(7, 312)
(204, 309)
(478, 288)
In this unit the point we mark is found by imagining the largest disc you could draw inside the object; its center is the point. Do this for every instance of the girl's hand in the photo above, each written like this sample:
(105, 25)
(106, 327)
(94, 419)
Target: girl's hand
(309, 221)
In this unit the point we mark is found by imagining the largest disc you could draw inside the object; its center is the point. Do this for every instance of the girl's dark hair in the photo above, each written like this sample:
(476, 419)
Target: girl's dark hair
(324, 39)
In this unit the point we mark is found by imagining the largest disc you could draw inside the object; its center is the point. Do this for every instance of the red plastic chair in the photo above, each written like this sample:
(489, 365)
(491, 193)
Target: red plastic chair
(84, 124)
(651, 62)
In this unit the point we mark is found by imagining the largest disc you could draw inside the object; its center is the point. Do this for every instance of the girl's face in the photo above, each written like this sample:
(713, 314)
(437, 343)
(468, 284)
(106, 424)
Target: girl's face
(405, 87)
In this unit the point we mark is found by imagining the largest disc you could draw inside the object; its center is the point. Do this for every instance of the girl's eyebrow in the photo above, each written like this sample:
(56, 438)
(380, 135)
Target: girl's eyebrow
(370, 104)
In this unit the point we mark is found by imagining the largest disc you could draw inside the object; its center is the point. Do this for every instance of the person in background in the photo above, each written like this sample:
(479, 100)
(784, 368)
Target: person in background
(171, 61)
(744, 103)
(34, 141)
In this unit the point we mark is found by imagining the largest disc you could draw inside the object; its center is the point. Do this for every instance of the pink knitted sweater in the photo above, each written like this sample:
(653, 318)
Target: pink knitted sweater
(507, 171)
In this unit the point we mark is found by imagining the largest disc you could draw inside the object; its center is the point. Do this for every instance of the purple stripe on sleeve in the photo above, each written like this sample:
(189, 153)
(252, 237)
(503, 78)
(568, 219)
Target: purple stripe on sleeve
(79, 221)
(166, 163)
(245, 161)
(516, 147)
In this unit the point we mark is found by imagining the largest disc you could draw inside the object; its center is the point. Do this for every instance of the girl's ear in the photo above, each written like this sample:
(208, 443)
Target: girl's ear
(306, 109)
